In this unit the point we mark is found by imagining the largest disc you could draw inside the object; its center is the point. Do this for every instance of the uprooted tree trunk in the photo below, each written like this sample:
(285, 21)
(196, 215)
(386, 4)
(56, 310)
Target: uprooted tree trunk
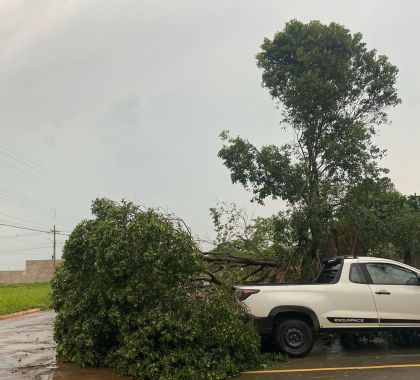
(258, 270)
(262, 250)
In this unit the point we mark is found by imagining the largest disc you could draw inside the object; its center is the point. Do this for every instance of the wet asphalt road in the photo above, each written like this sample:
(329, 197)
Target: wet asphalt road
(26, 346)
(27, 351)
(327, 362)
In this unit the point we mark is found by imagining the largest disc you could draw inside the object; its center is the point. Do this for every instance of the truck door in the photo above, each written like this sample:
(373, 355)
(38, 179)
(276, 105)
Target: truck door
(397, 294)
(348, 303)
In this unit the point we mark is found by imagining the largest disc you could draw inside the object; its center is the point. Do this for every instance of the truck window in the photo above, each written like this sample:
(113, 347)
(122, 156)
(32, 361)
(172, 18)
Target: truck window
(329, 273)
(388, 274)
(356, 275)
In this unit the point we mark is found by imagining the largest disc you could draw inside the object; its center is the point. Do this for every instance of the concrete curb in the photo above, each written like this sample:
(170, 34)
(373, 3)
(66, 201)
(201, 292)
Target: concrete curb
(19, 313)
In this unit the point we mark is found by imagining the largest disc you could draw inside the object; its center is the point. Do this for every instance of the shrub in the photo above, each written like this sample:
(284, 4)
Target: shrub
(125, 300)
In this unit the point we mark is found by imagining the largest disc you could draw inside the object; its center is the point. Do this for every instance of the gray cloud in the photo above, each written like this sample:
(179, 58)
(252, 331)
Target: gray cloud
(135, 93)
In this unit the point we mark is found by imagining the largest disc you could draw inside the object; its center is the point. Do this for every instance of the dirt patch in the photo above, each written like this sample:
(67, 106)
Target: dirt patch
(19, 313)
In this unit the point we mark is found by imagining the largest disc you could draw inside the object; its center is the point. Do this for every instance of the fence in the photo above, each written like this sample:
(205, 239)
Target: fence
(35, 271)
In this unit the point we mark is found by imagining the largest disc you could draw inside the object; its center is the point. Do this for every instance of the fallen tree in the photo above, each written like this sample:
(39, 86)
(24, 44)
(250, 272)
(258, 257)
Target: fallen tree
(129, 296)
(263, 250)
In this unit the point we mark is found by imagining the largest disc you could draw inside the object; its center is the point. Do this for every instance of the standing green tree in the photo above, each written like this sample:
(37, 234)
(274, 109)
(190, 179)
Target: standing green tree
(333, 93)
(381, 220)
(407, 237)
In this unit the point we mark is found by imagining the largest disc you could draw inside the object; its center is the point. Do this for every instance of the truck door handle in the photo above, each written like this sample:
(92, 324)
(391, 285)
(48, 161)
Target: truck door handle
(383, 292)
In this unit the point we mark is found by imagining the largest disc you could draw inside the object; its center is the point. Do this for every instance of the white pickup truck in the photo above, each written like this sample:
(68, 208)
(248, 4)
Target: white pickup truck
(350, 294)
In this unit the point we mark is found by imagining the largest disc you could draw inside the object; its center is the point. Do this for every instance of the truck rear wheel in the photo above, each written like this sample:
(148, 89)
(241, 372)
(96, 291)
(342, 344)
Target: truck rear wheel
(294, 338)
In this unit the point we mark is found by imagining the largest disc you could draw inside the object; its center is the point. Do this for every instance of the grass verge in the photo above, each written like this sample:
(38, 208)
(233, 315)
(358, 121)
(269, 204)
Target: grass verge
(19, 297)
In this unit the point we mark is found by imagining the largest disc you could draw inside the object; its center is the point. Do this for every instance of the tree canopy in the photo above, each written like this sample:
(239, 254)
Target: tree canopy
(382, 220)
(334, 93)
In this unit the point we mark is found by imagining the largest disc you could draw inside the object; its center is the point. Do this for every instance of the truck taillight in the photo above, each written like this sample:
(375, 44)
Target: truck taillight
(243, 294)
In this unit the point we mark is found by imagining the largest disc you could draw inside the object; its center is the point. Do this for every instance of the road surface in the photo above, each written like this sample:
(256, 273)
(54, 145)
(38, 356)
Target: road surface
(374, 361)
(27, 352)
(27, 347)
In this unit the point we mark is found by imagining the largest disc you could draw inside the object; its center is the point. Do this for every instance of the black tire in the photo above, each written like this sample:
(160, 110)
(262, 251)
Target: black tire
(294, 338)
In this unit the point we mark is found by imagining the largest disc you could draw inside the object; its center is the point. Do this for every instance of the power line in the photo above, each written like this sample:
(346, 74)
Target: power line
(28, 167)
(20, 242)
(24, 228)
(40, 208)
(26, 161)
(19, 204)
(24, 220)
(19, 235)
(34, 229)
(24, 249)
(43, 179)
(44, 171)
(23, 224)
(27, 201)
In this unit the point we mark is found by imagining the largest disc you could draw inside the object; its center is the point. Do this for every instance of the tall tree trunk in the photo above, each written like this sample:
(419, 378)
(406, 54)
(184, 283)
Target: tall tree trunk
(407, 256)
(310, 261)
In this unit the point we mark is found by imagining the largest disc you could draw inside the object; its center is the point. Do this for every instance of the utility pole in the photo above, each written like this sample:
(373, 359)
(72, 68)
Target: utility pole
(54, 245)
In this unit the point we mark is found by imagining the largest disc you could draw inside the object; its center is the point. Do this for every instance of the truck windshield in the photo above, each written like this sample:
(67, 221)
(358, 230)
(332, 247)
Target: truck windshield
(329, 272)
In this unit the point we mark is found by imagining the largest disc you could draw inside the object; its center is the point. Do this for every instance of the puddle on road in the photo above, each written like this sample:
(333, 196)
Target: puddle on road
(60, 372)
(27, 352)
(376, 353)
(323, 355)
(71, 372)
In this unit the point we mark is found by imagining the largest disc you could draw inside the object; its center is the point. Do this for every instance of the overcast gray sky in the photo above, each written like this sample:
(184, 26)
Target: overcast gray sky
(127, 98)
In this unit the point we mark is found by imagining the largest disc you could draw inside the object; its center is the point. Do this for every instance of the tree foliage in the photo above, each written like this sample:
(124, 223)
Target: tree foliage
(252, 249)
(334, 93)
(127, 297)
(382, 220)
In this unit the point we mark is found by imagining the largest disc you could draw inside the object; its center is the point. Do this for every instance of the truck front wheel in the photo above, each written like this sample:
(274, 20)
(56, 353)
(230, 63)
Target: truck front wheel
(294, 338)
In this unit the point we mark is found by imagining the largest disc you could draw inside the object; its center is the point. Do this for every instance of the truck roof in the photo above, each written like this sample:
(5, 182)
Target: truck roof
(359, 258)
(369, 259)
